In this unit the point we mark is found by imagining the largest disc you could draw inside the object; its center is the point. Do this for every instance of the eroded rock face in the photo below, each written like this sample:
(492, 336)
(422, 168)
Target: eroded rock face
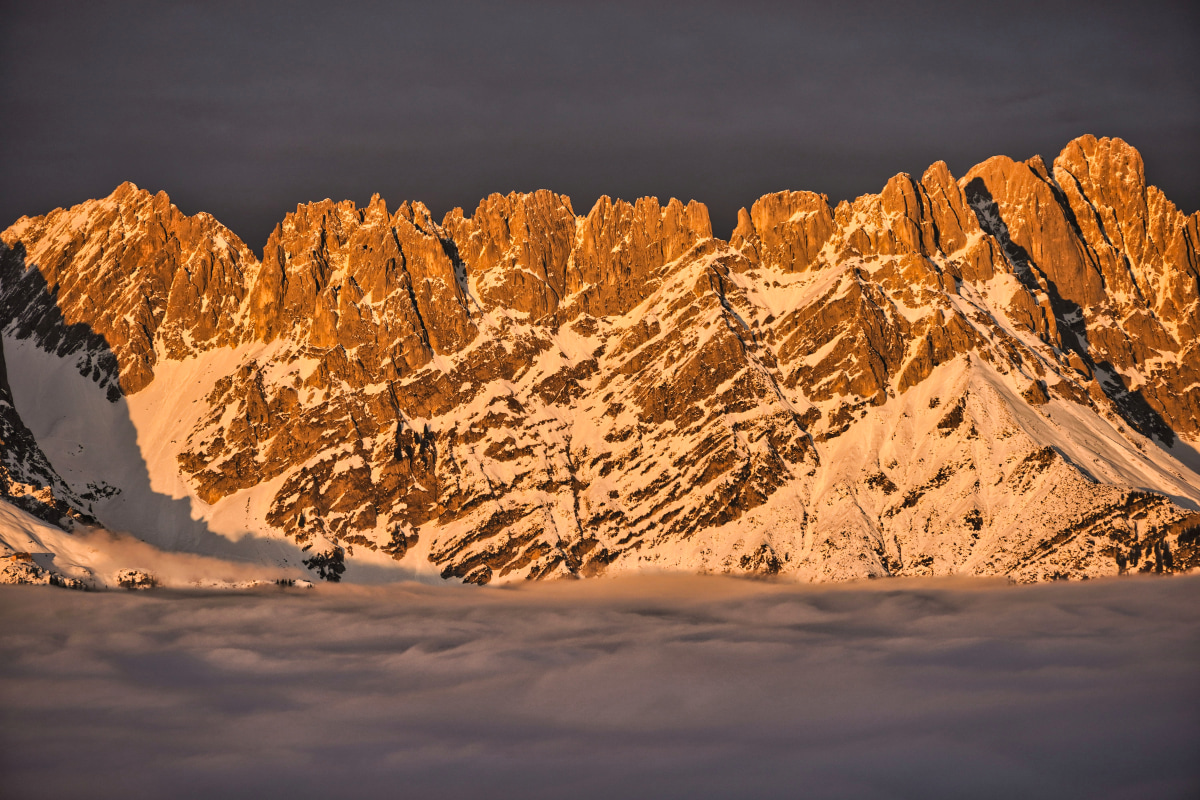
(334, 275)
(1144, 333)
(785, 230)
(516, 249)
(620, 249)
(897, 385)
(125, 279)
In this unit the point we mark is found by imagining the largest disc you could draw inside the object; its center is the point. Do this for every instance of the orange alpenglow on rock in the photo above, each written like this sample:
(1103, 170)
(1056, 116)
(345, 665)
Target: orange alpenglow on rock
(992, 375)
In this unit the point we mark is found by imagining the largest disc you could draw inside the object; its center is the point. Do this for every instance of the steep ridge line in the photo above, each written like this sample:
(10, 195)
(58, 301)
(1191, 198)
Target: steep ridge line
(524, 392)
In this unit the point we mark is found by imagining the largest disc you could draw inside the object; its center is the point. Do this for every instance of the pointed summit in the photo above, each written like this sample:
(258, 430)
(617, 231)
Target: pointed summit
(994, 375)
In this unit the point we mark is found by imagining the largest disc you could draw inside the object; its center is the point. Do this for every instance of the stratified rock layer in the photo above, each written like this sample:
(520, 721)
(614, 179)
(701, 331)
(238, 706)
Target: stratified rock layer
(992, 375)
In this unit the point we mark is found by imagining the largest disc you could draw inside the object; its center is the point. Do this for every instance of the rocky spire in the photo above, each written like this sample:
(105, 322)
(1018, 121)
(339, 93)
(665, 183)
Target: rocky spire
(897, 385)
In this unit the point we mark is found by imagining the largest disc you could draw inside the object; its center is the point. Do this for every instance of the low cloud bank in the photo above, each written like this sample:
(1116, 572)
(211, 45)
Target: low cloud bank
(653, 687)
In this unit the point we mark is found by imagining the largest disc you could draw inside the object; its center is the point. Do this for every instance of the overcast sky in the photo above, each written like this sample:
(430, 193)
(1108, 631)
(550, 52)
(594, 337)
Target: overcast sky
(245, 112)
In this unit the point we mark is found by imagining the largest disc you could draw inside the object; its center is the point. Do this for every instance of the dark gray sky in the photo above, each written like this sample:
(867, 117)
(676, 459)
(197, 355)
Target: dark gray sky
(244, 112)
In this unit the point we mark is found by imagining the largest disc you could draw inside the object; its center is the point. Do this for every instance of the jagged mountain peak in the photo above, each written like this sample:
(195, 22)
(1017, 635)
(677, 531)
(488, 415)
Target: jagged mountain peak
(130, 269)
(991, 374)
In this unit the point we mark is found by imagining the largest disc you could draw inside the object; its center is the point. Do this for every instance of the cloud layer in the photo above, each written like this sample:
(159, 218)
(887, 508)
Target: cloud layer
(671, 687)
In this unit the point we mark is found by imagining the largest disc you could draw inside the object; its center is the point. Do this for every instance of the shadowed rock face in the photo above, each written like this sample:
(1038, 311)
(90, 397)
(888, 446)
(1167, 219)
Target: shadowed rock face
(27, 479)
(877, 388)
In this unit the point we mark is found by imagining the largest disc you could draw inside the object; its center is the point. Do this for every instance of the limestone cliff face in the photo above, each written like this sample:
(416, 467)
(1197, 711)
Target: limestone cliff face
(1147, 253)
(785, 230)
(333, 274)
(980, 375)
(516, 249)
(621, 247)
(116, 277)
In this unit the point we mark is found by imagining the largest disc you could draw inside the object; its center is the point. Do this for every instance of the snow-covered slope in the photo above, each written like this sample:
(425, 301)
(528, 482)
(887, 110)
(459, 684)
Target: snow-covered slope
(27, 478)
(997, 375)
(32, 551)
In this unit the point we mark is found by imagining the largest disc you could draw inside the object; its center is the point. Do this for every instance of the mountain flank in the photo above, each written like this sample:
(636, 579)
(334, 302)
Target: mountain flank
(996, 374)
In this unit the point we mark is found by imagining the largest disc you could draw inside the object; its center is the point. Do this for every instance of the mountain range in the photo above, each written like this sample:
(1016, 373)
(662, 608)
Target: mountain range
(997, 374)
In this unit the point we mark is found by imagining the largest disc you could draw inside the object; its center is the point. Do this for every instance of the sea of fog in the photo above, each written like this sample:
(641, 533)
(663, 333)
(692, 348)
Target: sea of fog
(635, 688)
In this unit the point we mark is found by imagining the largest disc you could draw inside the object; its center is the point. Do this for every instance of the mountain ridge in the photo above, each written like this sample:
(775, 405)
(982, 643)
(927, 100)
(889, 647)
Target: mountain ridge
(525, 392)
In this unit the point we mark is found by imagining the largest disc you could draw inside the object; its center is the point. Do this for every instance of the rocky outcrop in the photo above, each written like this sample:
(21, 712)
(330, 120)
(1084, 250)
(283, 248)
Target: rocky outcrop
(516, 250)
(620, 249)
(121, 281)
(785, 230)
(1144, 333)
(897, 385)
(332, 275)
(20, 568)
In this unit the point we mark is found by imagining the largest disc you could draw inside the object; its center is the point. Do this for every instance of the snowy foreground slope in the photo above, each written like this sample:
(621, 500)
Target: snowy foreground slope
(997, 375)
